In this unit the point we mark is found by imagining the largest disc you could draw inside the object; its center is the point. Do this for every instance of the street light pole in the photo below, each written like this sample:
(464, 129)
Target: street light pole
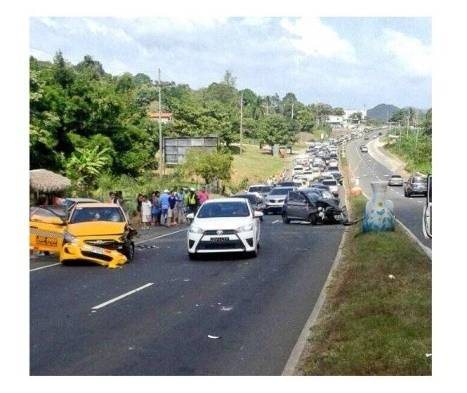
(161, 149)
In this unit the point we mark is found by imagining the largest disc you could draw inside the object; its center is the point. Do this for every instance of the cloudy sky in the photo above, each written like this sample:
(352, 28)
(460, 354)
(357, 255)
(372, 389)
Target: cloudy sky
(348, 62)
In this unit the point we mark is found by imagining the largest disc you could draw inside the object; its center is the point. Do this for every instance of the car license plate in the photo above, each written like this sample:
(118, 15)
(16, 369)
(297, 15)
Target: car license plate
(220, 239)
(96, 250)
(46, 241)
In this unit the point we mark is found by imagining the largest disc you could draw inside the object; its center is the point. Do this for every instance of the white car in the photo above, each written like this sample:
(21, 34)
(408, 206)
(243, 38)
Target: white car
(224, 225)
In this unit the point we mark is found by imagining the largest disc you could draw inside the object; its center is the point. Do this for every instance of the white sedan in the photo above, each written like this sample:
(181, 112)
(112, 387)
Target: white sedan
(224, 225)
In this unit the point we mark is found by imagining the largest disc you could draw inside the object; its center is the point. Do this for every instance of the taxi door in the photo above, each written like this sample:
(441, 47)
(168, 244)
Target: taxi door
(45, 230)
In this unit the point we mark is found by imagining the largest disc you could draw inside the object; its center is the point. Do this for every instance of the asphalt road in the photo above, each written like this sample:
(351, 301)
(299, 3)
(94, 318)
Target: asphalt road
(408, 210)
(257, 307)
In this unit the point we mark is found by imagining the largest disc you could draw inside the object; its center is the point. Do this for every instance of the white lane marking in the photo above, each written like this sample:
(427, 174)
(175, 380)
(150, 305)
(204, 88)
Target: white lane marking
(158, 237)
(121, 296)
(275, 222)
(44, 267)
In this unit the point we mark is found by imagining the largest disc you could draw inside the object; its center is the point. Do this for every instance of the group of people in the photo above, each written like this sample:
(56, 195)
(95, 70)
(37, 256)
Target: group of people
(169, 208)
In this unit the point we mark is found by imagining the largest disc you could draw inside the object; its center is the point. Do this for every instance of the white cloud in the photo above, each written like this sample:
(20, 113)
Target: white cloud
(102, 29)
(409, 52)
(40, 54)
(313, 38)
(144, 26)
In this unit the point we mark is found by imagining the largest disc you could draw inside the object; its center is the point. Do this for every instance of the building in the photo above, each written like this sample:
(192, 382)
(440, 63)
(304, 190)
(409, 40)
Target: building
(164, 116)
(335, 121)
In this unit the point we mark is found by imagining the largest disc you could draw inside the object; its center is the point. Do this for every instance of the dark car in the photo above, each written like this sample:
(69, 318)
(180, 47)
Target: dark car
(307, 205)
(256, 203)
(415, 185)
(288, 184)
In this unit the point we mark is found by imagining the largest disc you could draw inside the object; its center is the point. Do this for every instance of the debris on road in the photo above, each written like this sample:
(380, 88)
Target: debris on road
(224, 308)
(213, 337)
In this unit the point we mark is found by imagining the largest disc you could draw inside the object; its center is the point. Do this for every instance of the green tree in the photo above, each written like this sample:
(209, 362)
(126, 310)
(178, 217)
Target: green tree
(427, 127)
(85, 165)
(210, 166)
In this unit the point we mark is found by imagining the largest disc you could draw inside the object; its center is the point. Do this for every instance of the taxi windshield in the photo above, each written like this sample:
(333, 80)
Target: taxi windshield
(87, 214)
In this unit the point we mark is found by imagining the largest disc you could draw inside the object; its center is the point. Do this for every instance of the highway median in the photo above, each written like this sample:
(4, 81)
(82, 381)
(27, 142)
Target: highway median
(376, 319)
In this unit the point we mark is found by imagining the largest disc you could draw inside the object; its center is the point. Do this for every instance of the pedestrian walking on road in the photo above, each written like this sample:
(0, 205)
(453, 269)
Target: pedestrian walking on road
(139, 200)
(146, 212)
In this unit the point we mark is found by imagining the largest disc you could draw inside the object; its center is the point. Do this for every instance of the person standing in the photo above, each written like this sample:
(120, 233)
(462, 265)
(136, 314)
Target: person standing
(146, 212)
(139, 200)
(156, 207)
(111, 197)
(164, 201)
(191, 201)
(203, 195)
(172, 203)
(179, 206)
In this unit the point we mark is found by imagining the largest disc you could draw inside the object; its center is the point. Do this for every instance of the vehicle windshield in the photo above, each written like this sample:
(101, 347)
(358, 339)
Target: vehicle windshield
(313, 196)
(281, 191)
(420, 180)
(259, 189)
(251, 198)
(223, 209)
(396, 177)
(87, 214)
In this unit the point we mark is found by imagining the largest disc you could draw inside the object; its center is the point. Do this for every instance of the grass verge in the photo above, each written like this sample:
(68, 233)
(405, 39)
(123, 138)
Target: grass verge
(372, 324)
(254, 166)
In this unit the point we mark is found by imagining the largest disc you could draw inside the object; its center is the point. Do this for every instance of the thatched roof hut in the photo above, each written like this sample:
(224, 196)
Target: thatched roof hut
(42, 180)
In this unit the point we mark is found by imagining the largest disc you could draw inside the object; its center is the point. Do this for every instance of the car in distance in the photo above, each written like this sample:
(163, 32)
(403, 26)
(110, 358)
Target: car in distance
(396, 180)
(363, 149)
(416, 184)
(94, 232)
(263, 189)
(275, 199)
(255, 200)
(332, 184)
(224, 225)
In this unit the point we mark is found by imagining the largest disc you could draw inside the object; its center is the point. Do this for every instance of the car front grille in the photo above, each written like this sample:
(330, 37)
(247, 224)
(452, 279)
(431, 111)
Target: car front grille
(108, 244)
(96, 256)
(224, 232)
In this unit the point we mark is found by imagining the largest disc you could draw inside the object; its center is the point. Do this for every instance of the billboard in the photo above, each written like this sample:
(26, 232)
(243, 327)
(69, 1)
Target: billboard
(175, 149)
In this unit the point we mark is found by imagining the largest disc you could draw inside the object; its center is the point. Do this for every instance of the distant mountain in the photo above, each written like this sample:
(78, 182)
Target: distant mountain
(382, 112)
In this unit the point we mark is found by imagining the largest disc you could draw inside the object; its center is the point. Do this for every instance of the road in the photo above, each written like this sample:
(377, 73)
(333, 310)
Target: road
(257, 307)
(408, 210)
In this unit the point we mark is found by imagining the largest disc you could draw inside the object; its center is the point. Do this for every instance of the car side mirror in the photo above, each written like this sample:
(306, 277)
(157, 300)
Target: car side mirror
(258, 214)
(190, 216)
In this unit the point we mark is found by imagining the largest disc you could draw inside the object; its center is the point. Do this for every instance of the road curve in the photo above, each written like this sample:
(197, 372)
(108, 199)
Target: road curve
(363, 166)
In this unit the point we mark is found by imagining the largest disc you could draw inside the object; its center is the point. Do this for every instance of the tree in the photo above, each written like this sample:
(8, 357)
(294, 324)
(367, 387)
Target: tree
(274, 129)
(85, 165)
(210, 166)
(93, 67)
(141, 79)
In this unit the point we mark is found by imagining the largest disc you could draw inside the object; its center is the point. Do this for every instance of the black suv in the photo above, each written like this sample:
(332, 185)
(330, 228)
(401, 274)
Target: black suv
(415, 185)
(308, 205)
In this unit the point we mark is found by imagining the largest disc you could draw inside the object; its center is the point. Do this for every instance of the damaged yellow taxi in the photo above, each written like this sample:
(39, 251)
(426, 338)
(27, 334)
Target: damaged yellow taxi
(95, 232)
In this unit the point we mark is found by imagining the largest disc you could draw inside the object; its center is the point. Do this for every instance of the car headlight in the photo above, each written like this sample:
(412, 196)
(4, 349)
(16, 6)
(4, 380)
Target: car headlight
(245, 228)
(69, 238)
(195, 229)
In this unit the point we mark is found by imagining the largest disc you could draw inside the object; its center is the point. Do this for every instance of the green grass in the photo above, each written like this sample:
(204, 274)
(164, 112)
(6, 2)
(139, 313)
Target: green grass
(254, 166)
(371, 324)
(415, 152)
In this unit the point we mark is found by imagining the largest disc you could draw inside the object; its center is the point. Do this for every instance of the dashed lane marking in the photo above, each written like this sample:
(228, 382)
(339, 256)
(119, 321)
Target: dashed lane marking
(44, 267)
(115, 299)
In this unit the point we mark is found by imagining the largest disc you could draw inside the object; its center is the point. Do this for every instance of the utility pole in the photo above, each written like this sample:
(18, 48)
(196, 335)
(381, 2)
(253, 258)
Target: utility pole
(291, 116)
(241, 121)
(161, 150)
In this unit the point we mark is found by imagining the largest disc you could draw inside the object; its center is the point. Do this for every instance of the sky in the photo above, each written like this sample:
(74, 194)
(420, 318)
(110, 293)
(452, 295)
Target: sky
(342, 61)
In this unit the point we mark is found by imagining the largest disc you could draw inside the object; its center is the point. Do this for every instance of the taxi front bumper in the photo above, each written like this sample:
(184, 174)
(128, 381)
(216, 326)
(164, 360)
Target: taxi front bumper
(99, 255)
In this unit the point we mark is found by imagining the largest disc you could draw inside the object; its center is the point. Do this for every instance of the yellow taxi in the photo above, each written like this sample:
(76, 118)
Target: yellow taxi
(95, 232)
